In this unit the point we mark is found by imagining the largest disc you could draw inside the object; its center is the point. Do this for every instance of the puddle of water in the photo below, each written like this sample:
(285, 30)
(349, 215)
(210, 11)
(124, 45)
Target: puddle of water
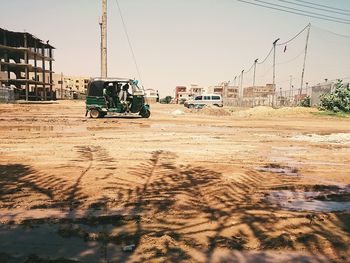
(27, 128)
(45, 239)
(47, 128)
(310, 201)
(284, 170)
(330, 138)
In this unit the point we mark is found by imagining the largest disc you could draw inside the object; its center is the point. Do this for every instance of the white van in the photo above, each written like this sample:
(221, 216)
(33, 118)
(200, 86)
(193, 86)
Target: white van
(205, 99)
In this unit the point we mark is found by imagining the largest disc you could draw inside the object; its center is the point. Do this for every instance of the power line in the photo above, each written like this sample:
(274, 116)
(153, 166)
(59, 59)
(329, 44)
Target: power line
(326, 6)
(334, 33)
(316, 8)
(266, 72)
(129, 42)
(291, 12)
(282, 44)
(291, 60)
(249, 69)
(266, 57)
(300, 10)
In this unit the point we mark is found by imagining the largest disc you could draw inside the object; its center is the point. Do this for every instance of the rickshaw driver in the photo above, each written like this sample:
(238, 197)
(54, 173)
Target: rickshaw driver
(108, 95)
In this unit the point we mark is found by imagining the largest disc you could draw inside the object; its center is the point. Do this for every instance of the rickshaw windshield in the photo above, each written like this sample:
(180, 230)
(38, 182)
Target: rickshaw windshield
(136, 90)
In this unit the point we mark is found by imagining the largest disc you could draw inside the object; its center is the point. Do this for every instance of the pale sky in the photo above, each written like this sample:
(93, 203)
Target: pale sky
(179, 42)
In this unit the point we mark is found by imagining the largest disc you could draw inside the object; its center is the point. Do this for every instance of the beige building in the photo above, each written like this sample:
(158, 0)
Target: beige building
(69, 87)
(225, 90)
(195, 90)
(151, 96)
(259, 91)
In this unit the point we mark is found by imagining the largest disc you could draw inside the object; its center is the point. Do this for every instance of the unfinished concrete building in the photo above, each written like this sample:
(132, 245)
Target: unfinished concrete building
(26, 65)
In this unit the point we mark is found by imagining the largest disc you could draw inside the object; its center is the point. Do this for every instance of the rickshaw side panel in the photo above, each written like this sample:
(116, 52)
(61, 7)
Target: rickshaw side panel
(96, 101)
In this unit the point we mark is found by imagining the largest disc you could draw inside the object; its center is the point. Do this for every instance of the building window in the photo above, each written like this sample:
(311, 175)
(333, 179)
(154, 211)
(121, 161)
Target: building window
(59, 82)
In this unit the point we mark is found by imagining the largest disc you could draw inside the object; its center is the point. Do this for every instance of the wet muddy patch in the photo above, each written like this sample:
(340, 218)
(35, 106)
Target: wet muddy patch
(317, 199)
(278, 169)
(91, 239)
(324, 138)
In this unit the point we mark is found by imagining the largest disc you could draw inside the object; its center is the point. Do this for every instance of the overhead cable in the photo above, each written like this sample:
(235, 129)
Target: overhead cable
(329, 31)
(296, 13)
(316, 8)
(129, 42)
(284, 43)
(326, 6)
(266, 57)
(249, 69)
(291, 60)
(300, 10)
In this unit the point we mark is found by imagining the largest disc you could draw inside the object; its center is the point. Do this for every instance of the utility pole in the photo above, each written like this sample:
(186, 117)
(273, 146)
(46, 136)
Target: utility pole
(103, 27)
(274, 63)
(61, 85)
(234, 81)
(303, 70)
(241, 95)
(290, 88)
(255, 61)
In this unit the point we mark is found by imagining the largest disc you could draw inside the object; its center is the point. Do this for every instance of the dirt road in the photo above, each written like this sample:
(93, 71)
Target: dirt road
(217, 185)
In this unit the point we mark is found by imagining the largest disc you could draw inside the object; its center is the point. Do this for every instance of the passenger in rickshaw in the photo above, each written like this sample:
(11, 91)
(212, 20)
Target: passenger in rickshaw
(125, 97)
(108, 95)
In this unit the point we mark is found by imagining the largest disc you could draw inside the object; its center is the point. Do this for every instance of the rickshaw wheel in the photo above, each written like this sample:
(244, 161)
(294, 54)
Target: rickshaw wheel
(94, 114)
(145, 114)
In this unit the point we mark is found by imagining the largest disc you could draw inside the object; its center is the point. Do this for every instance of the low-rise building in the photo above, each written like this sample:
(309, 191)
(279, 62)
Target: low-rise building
(151, 96)
(69, 87)
(259, 91)
(196, 90)
(181, 94)
(231, 92)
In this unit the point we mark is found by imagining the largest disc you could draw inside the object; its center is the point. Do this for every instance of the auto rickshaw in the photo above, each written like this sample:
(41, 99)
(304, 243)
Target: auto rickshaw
(111, 96)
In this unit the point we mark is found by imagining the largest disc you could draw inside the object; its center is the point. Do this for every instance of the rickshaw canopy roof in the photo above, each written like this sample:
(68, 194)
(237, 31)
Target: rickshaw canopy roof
(96, 85)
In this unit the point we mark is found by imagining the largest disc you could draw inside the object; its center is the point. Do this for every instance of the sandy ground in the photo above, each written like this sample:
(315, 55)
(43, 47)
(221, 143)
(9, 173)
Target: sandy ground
(215, 185)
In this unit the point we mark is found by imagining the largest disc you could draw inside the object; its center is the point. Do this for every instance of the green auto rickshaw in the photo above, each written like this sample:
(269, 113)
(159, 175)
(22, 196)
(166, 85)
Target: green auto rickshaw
(115, 96)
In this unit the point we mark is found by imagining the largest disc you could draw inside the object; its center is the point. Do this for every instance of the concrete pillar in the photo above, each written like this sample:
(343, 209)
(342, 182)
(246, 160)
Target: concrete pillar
(35, 69)
(50, 74)
(26, 68)
(43, 66)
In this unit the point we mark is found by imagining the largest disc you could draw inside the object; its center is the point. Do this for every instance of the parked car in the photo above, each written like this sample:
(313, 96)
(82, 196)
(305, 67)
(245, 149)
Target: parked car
(205, 99)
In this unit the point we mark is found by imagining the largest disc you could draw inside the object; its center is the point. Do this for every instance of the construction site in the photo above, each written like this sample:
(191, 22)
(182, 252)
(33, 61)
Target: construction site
(103, 170)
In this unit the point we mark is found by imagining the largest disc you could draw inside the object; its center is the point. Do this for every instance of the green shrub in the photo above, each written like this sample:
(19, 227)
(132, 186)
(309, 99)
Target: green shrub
(166, 100)
(338, 100)
(182, 101)
(305, 102)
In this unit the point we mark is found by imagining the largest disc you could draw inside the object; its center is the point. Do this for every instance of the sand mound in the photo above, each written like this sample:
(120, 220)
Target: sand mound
(264, 111)
(212, 111)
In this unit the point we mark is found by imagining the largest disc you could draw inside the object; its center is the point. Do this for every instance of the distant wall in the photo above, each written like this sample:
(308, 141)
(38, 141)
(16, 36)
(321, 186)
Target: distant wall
(7, 95)
(318, 91)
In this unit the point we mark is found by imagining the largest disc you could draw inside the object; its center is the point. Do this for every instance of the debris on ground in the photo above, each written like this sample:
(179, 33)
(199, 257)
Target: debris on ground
(129, 248)
(177, 113)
